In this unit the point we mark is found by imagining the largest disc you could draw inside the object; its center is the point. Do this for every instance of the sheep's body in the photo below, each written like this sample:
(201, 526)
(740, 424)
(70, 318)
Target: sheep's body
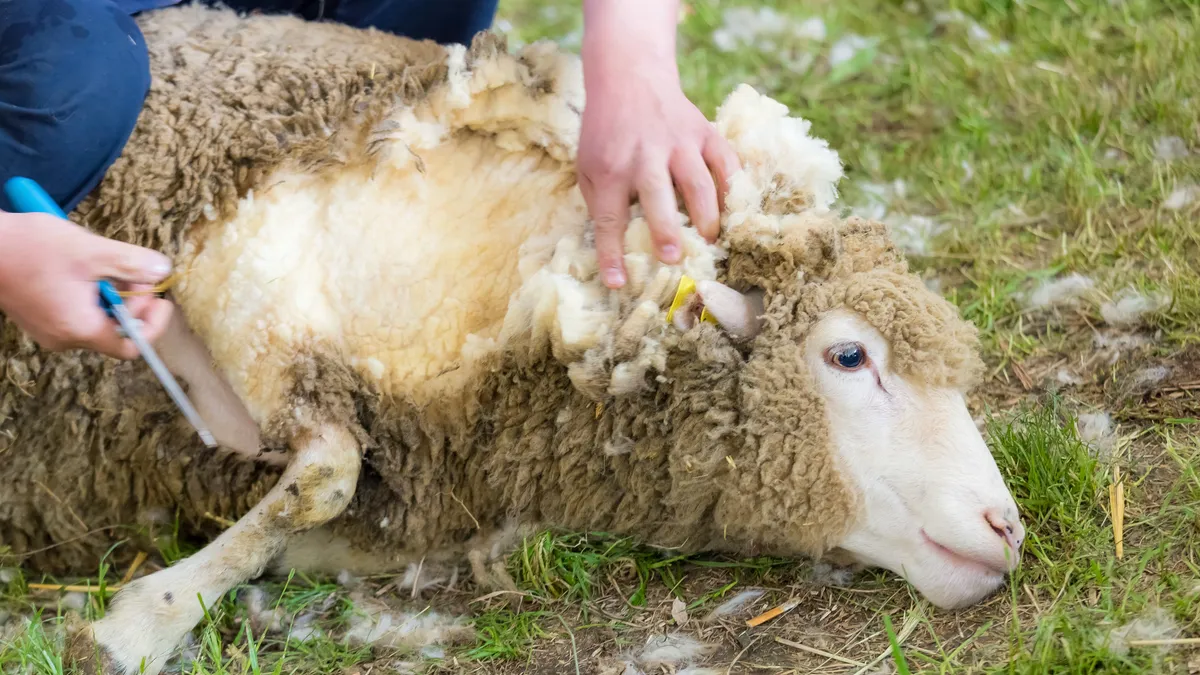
(382, 245)
(305, 251)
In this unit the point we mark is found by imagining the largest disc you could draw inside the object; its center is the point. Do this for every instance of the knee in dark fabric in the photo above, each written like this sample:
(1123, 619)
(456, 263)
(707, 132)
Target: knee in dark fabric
(73, 78)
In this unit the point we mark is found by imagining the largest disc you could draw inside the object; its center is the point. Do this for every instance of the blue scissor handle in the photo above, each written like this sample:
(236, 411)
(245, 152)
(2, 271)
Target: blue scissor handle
(29, 197)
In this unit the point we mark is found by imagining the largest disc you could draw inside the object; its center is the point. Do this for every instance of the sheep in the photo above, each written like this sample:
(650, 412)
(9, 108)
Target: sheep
(388, 311)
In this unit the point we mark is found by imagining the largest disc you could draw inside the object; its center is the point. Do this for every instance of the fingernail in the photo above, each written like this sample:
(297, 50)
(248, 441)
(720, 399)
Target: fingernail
(160, 267)
(670, 253)
(613, 278)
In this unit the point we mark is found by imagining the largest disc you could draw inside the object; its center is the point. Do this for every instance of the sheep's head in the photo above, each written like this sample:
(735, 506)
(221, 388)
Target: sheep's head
(852, 432)
(855, 433)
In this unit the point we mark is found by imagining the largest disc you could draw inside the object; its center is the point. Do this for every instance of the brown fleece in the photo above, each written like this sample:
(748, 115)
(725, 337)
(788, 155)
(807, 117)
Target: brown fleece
(715, 445)
(231, 100)
(94, 453)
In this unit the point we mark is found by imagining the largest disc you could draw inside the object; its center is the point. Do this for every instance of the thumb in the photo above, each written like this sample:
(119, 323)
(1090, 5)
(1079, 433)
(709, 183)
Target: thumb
(126, 262)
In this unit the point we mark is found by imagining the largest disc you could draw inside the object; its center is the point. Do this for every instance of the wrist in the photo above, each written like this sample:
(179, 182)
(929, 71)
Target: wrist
(626, 39)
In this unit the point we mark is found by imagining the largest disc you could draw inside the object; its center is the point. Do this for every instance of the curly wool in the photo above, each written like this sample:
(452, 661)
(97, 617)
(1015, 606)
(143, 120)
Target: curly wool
(552, 400)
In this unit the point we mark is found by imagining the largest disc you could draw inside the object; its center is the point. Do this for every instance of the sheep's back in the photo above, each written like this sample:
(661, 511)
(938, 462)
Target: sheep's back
(230, 100)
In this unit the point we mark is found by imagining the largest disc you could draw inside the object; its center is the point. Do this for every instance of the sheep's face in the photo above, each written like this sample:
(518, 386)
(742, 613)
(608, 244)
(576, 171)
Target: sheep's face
(934, 507)
(853, 433)
(873, 367)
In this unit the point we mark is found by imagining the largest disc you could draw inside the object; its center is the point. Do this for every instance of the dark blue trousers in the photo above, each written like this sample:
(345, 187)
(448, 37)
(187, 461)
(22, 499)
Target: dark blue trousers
(74, 75)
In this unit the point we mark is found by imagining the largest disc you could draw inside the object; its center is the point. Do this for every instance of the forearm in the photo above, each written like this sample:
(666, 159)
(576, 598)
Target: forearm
(620, 36)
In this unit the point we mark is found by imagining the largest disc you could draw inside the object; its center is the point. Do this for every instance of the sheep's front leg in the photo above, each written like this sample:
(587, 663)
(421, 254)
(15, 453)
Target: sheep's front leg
(150, 617)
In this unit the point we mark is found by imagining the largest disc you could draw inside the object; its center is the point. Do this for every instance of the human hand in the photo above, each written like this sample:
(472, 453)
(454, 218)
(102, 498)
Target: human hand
(49, 269)
(641, 136)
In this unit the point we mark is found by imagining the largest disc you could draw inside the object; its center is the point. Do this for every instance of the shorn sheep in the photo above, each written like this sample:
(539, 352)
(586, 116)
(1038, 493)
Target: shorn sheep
(388, 311)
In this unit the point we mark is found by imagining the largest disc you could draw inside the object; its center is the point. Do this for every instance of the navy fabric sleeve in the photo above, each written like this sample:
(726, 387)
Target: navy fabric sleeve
(444, 21)
(73, 78)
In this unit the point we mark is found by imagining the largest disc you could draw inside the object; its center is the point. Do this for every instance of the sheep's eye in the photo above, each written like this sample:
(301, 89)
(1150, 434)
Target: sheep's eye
(848, 357)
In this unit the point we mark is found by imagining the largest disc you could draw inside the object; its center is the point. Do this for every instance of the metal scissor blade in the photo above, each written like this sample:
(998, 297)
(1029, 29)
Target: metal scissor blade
(160, 370)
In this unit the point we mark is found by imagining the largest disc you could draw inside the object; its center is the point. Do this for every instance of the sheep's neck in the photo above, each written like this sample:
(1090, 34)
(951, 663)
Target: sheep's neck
(641, 465)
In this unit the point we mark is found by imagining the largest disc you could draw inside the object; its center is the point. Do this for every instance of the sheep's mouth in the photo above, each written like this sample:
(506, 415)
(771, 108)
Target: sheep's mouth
(961, 560)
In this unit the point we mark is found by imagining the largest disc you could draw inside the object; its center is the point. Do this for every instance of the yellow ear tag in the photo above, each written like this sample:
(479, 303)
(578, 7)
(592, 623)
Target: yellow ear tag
(687, 286)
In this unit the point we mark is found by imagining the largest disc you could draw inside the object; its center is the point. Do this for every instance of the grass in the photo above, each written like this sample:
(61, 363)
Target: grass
(1033, 152)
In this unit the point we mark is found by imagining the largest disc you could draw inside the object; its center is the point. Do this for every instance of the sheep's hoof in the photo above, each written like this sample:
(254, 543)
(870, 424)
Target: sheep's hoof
(82, 653)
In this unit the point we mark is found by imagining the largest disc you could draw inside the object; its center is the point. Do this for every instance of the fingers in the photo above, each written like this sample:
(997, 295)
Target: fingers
(656, 194)
(723, 162)
(136, 296)
(609, 204)
(103, 337)
(118, 260)
(699, 194)
(155, 315)
(153, 312)
(102, 334)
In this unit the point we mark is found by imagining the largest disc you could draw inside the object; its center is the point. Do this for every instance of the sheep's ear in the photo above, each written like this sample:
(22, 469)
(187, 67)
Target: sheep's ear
(740, 314)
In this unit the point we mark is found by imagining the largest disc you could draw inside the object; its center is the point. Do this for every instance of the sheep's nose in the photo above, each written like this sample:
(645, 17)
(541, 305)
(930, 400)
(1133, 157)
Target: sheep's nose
(1007, 526)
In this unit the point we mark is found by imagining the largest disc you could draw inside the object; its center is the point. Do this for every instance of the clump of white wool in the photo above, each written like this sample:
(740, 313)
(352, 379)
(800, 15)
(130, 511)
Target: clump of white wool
(1096, 430)
(627, 668)
(673, 652)
(736, 604)
(1147, 377)
(374, 623)
(1059, 292)
(1129, 306)
(74, 600)
(404, 667)
(672, 649)
(847, 47)
(347, 580)
(913, 234)
(761, 28)
(1156, 624)
(1182, 197)
(825, 574)
(1170, 148)
(979, 36)
(305, 628)
(774, 147)
(1117, 342)
(1066, 377)
(260, 612)
(877, 198)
